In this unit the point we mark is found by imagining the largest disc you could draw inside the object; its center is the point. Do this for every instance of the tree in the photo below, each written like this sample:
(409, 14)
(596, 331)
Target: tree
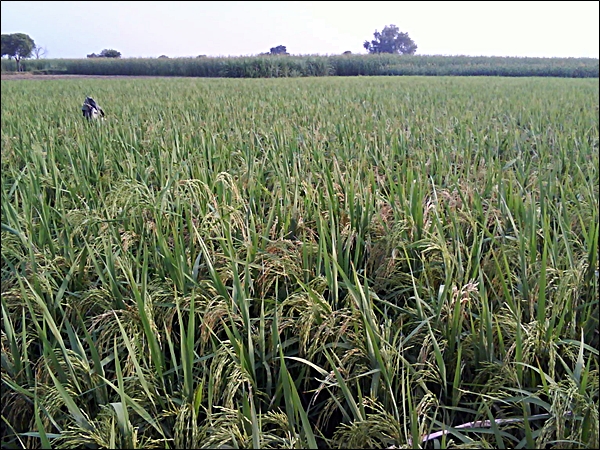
(279, 50)
(39, 52)
(109, 53)
(17, 45)
(106, 53)
(391, 40)
(4, 45)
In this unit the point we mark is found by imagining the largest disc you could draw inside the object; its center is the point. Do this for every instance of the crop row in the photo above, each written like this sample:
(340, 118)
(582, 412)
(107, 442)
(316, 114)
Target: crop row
(303, 66)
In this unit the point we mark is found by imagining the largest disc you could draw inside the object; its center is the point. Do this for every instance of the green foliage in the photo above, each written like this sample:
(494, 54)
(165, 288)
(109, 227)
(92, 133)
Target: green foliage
(278, 66)
(391, 40)
(18, 46)
(106, 53)
(293, 263)
(110, 53)
(279, 50)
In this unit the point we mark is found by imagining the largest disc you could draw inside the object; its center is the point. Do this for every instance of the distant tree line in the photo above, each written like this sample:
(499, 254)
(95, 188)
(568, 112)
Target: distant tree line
(21, 46)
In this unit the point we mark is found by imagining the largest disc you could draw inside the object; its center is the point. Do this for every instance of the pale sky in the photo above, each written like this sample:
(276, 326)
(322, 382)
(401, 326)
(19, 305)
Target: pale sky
(212, 28)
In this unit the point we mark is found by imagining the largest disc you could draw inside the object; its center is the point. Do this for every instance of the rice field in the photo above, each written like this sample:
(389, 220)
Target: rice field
(386, 262)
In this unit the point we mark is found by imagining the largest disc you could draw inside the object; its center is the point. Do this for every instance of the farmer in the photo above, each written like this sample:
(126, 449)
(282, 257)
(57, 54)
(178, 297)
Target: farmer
(91, 109)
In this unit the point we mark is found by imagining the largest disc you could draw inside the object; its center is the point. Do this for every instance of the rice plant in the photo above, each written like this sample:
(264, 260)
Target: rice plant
(298, 263)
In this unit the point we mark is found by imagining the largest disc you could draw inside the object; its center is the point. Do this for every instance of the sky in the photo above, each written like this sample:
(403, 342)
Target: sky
(73, 29)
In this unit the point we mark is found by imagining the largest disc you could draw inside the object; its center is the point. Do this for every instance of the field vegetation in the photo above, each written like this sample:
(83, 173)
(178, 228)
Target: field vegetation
(374, 262)
(270, 66)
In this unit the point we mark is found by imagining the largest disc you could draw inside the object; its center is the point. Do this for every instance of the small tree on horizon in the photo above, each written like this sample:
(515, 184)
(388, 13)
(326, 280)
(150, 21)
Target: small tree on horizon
(279, 50)
(106, 53)
(391, 40)
(109, 53)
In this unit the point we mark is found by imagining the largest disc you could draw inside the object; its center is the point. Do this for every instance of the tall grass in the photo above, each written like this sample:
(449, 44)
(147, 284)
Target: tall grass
(365, 262)
(314, 65)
